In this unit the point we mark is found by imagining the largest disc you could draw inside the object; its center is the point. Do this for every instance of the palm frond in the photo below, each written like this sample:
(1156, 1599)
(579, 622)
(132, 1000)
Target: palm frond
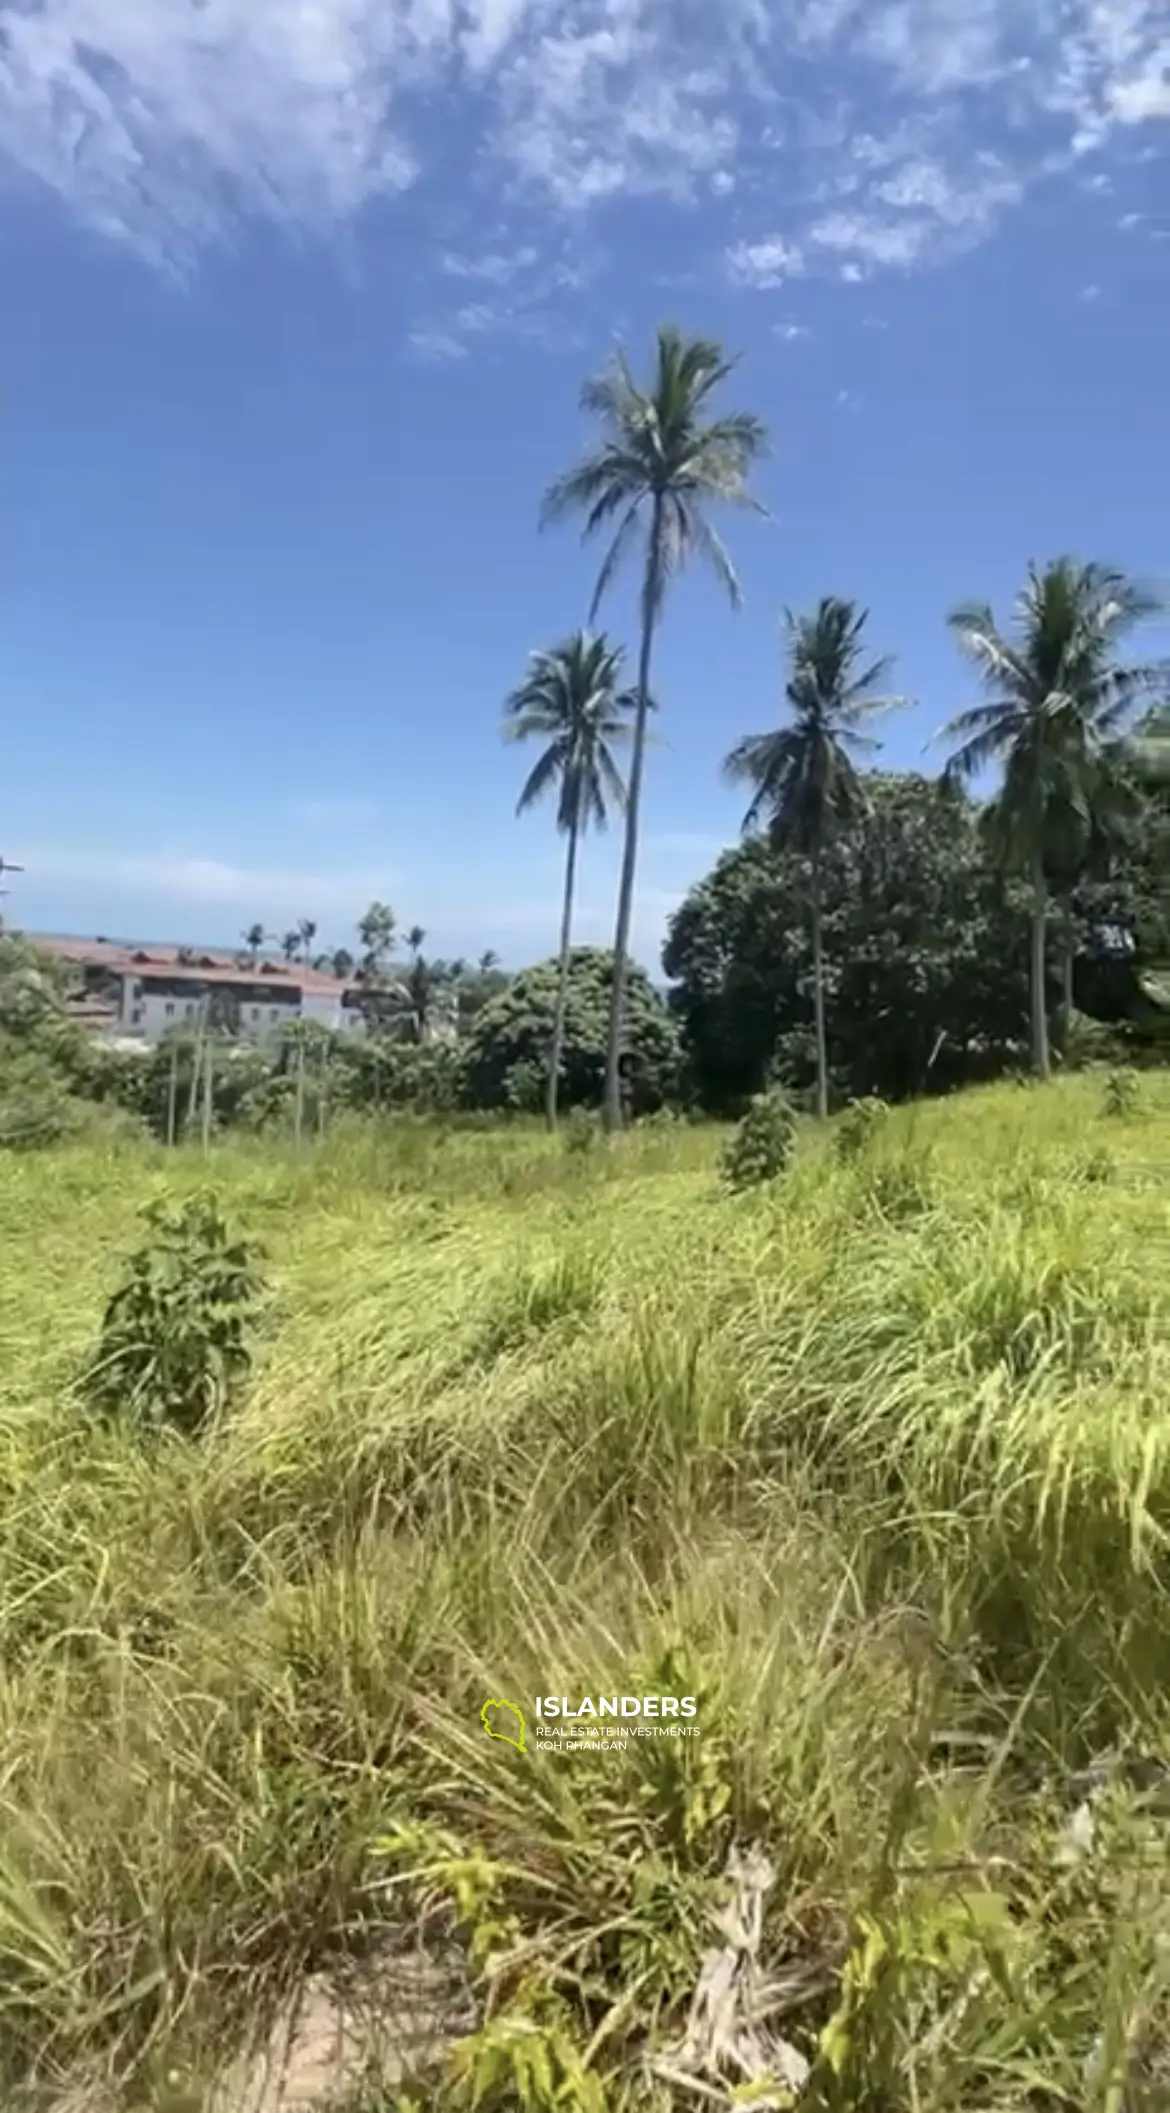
(546, 772)
(614, 556)
(571, 698)
(658, 451)
(709, 545)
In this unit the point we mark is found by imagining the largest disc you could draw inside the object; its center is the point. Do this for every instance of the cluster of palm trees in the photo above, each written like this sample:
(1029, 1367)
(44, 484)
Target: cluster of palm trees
(416, 1000)
(1057, 716)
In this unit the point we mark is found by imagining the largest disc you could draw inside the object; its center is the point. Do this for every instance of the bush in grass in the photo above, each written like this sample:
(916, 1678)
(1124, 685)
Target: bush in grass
(36, 1106)
(175, 1343)
(1088, 1042)
(761, 1145)
(902, 1189)
(1092, 1167)
(580, 1131)
(860, 1126)
(523, 1088)
(1121, 1092)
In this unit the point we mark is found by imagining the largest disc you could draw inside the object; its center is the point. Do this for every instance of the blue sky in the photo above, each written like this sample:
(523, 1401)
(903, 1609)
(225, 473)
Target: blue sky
(298, 296)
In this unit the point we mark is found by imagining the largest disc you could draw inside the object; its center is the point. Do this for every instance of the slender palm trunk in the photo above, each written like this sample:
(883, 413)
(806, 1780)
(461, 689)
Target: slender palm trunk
(818, 941)
(558, 1035)
(621, 944)
(1068, 956)
(1040, 1057)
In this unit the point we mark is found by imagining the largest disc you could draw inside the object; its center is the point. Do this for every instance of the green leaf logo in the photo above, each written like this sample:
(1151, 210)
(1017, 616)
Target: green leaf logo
(494, 1732)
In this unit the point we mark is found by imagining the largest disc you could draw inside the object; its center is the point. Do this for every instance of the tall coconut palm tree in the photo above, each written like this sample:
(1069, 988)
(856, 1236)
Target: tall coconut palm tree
(807, 787)
(1058, 702)
(660, 462)
(571, 699)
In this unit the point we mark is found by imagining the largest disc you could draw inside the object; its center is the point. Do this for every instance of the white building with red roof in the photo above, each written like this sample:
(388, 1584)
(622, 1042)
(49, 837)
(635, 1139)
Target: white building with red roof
(145, 992)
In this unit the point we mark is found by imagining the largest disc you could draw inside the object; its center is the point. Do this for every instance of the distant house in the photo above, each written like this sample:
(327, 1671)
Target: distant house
(145, 992)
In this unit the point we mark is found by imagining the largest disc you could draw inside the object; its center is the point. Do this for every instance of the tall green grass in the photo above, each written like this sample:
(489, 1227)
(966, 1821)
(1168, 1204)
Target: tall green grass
(874, 1462)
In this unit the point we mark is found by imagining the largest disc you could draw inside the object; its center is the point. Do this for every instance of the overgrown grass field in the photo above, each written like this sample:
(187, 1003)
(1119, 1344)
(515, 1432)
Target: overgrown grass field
(874, 1462)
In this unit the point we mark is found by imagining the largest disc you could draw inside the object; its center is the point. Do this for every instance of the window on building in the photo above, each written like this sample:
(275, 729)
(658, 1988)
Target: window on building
(170, 1011)
(255, 1012)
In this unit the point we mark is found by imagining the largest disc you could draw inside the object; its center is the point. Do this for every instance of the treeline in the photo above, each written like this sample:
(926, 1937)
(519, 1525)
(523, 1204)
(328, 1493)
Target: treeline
(925, 943)
(925, 965)
(1074, 732)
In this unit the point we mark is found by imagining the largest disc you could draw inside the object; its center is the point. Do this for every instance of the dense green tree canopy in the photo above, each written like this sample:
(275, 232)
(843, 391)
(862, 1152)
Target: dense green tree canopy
(925, 948)
(507, 1049)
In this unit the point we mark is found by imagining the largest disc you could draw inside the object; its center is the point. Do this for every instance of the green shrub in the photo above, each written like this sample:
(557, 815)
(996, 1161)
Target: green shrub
(1088, 1041)
(36, 1113)
(523, 1088)
(175, 1342)
(1092, 1167)
(903, 1188)
(761, 1145)
(860, 1125)
(580, 1131)
(1121, 1092)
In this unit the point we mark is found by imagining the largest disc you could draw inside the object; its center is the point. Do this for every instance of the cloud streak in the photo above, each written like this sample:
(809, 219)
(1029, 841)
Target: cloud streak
(177, 879)
(169, 124)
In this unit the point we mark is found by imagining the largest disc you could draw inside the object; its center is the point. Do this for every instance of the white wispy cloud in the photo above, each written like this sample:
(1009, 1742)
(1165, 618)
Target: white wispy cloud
(491, 267)
(767, 262)
(167, 124)
(176, 878)
(435, 345)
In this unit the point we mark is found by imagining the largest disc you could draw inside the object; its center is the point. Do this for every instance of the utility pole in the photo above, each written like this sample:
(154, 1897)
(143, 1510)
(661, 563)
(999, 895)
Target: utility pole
(6, 866)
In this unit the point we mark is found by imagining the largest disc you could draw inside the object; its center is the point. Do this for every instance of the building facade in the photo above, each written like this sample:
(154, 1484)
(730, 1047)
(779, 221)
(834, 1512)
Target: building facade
(145, 993)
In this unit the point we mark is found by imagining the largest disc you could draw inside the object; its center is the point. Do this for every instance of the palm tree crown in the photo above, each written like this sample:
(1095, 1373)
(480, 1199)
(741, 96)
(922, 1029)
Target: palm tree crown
(657, 455)
(1054, 720)
(661, 460)
(805, 775)
(1058, 696)
(570, 698)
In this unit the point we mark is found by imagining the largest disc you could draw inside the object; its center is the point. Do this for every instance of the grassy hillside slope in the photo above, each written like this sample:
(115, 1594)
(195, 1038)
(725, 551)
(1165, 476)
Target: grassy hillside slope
(875, 1464)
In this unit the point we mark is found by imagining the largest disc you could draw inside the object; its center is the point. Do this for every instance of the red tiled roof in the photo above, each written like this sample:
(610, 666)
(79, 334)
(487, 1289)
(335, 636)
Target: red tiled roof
(206, 965)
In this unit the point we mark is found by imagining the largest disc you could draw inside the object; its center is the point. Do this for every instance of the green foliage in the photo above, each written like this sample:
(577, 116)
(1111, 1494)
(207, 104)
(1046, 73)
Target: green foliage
(522, 1090)
(925, 957)
(1088, 1041)
(36, 1107)
(761, 1147)
(901, 1483)
(1093, 1166)
(1121, 1093)
(581, 1132)
(860, 1127)
(900, 1188)
(175, 1342)
(516, 1029)
(573, 700)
